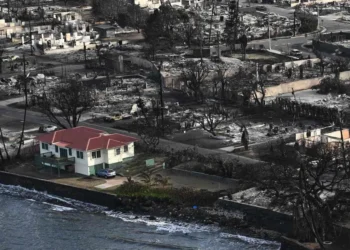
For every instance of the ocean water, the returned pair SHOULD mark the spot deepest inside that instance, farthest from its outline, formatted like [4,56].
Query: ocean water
[36,220]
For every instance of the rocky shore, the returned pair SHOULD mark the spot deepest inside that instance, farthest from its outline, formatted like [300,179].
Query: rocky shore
[213,215]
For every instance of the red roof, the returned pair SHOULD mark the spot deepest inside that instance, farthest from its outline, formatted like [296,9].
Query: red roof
[85,138]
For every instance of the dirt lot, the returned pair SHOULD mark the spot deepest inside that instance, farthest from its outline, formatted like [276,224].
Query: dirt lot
[261,57]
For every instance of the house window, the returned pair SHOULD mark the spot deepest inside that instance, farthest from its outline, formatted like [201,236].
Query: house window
[126,149]
[96,154]
[80,155]
[45,146]
[56,149]
[70,151]
[117,151]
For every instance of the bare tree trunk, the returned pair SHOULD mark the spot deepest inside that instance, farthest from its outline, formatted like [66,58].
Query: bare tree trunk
[25,108]
[3,143]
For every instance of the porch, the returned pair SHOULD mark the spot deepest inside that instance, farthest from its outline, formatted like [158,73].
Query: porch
[50,160]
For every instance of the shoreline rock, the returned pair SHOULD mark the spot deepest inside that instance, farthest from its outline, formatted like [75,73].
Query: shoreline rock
[226,220]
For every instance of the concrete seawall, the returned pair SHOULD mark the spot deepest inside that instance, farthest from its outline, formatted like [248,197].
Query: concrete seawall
[85,195]
[259,216]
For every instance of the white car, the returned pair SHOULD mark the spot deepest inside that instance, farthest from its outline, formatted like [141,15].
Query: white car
[296,53]
[47,128]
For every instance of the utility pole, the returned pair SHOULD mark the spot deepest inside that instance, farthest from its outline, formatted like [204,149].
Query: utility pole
[201,45]
[161,96]
[218,38]
[85,55]
[211,18]
[26,106]
[294,23]
[30,34]
[268,23]
[318,18]
[236,24]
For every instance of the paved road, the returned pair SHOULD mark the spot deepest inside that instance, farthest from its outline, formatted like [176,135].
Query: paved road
[286,45]
[36,117]
[330,25]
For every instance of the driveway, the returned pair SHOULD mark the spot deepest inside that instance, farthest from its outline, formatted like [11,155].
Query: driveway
[113,182]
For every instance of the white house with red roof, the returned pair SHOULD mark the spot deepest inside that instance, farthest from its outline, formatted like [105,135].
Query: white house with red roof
[90,149]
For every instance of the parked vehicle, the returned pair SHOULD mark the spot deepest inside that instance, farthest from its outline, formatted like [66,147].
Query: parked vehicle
[296,53]
[116,117]
[106,173]
[108,119]
[47,128]
[126,116]
[261,8]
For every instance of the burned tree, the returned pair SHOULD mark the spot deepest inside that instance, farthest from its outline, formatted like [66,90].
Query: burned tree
[313,188]
[149,125]
[212,116]
[257,88]
[194,75]
[222,79]
[65,103]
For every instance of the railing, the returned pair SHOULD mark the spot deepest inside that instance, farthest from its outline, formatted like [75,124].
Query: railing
[50,158]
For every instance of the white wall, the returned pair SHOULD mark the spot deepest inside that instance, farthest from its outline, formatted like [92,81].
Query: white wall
[113,158]
[131,151]
[81,165]
[148,3]
[303,135]
[92,161]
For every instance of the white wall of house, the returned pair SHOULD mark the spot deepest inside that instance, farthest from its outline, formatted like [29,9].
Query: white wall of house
[82,165]
[131,151]
[114,158]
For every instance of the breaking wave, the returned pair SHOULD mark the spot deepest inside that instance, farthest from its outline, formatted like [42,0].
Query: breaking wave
[162,224]
[57,203]
[249,240]
[59,208]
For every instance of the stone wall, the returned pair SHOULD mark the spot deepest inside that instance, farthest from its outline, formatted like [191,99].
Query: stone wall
[304,84]
[259,216]
[284,88]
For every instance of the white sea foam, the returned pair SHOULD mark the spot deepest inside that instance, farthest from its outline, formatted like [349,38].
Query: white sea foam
[58,208]
[162,224]
[249,240]
[34,195]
